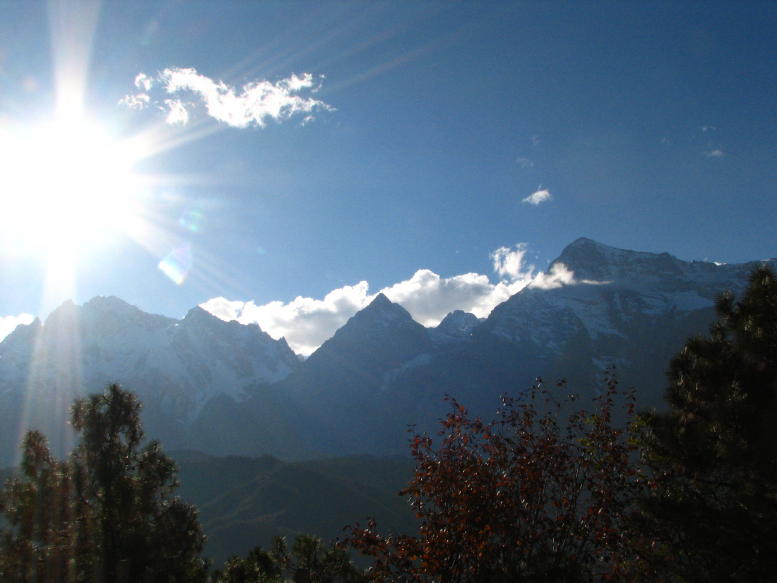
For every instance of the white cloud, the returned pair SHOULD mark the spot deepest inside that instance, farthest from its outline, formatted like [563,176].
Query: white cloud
[558,276]
[177,113]
[223,308]
[142,99]
[9,323]
[538,197]
[307,322]
[429,297]
[137,101]
[144,82]
[254,104]
[509,263]
[524,162]
[715,153]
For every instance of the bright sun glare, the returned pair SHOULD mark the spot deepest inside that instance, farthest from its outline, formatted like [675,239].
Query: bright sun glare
[67,184]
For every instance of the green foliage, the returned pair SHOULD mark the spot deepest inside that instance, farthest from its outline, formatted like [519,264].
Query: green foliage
[525,497]
[712,511]
[309,561]
[107,513]
[34,543]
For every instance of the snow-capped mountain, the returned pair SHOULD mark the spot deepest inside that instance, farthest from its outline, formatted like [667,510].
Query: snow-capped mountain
[612,306]
[228,388]
[175,366]
[628,308]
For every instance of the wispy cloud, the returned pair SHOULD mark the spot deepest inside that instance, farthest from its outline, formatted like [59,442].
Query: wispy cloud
[524,162]
[510,263]
[143,82]
[717,153]
[307,322]
[538,197]
[136,101]
[254,104]
[9,323]
[141,99]
[517,273]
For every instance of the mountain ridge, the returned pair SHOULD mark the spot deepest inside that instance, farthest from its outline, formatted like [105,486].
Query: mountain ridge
[228,388]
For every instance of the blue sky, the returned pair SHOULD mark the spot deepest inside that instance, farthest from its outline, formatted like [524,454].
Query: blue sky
[405,137]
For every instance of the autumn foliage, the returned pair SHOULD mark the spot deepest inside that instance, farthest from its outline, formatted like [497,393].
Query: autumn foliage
[537,494]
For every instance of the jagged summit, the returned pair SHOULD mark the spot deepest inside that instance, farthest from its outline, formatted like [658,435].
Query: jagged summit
[380,328]
[583,242]
[199,314]
[381,299]
[456,326]
[108,303]
[458,322]
[591,260]
[382,310]
[183,363]
[66,308]
[23,334]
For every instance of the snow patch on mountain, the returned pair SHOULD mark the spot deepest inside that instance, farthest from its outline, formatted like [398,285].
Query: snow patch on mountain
[182,363]
[604,289]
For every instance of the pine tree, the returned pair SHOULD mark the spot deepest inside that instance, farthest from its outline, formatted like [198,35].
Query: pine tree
[712,514]
[37,517]
[107,514]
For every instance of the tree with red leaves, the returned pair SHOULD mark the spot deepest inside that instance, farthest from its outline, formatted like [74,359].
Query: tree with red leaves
[524,497]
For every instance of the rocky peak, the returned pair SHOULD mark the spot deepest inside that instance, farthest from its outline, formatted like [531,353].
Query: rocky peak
[109,304]
[22,336]
[458,323]
[200,316]
[381,331]
[66,312]
[591,260]
[383,312]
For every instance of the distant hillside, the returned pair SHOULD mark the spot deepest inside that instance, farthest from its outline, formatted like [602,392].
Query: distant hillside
[244,501]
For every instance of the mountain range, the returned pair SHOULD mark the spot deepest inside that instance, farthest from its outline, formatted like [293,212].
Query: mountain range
[224,388]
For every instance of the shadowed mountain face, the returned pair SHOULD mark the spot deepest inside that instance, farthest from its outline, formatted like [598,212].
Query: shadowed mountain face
[225,388]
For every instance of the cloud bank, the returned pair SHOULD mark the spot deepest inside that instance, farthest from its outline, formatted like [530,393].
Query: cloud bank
[9,323]
[538,197]
[307,322]
[254,104]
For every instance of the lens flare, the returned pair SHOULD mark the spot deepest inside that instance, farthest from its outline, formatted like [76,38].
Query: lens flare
[191,220]
[177,264]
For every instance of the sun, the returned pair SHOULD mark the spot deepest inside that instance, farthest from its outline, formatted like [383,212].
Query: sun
[65,185]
